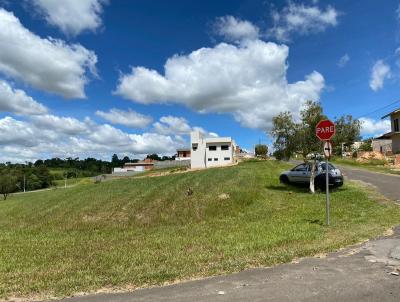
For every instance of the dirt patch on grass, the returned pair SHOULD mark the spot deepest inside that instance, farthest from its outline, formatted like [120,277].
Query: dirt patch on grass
[223,196]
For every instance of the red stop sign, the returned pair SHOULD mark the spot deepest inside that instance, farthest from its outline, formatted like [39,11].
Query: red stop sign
[325,130]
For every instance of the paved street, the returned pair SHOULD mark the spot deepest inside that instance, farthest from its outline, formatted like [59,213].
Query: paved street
[361,273]
[388,185]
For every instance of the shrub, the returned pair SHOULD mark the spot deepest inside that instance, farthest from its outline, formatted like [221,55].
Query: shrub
[8,184]
[377,162]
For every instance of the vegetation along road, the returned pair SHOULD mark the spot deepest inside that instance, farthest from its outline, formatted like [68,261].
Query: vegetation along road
[130,233]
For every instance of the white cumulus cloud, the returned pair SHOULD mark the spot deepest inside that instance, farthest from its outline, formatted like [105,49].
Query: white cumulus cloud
[18,102]
[398,12]
[371,127]
[301,19]
[380,71]
[246,80]
[128,118]
[172,125]
[178,126]
[53,136]
[343,60]
[72,16]
[44,63]
[64,125]
[21,133]
[235,30]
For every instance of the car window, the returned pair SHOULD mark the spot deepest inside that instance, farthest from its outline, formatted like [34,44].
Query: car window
[331,167]
[301,167]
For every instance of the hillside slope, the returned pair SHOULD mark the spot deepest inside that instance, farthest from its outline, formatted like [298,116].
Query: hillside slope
[139,232]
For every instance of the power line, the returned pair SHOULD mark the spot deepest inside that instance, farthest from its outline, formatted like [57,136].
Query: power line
[379,109]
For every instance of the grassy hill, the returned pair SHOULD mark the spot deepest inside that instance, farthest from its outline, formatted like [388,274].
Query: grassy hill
[138,232]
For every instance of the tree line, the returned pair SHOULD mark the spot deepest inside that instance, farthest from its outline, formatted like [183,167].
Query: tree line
[42,174]
[20,177]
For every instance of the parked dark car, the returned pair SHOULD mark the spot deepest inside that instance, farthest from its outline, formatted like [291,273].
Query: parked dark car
[301,175]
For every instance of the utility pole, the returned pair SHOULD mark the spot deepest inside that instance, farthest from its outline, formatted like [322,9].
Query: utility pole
[24,182]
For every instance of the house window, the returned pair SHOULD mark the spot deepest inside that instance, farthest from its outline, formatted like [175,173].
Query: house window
[225,147]
[194,147]
[396,125]
[215,159]
[210,159]
[212,148]
[227,158]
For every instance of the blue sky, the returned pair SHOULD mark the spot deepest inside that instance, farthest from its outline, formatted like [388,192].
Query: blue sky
[96,77]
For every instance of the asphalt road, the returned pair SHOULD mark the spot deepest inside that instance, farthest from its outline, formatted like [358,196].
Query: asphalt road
[387,184]
[366,272]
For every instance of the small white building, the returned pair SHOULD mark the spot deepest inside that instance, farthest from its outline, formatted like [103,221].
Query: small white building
[211,151]
[140,166]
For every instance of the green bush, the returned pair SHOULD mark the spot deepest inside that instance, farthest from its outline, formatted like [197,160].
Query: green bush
[377,162]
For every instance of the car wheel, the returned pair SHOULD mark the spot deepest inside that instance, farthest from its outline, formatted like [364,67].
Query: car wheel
[284,179]
[320,183]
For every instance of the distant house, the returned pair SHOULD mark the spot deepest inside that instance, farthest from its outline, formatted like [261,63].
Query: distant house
[395,127]
[382,144]
[183,154]
[211,151]
[140,166]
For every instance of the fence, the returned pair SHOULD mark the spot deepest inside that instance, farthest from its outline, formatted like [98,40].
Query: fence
[171,164]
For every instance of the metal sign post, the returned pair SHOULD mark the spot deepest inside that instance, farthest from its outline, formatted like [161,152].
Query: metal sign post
[327,194]
[325,130]
[327,152]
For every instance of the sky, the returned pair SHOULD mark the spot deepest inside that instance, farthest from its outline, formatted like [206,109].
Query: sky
[90,78]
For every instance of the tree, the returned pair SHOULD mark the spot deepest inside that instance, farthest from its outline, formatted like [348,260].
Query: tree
[39,162]
[366,145]
[115,160]
[43,173]
[347,132]
[153,156]
[284,132]
[291,137]
[261,150]
[126,159]
[33,182]
[308,142]
[8,184]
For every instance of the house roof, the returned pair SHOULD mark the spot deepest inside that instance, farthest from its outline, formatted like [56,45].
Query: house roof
[385,136]
[389,114]
[182,149]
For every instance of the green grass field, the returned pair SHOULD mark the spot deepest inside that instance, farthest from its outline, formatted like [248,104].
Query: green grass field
[72,181]
[141,232]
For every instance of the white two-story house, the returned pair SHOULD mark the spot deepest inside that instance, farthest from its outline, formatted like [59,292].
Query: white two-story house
[211,151]
[395,133]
